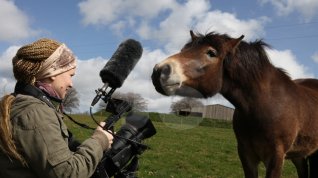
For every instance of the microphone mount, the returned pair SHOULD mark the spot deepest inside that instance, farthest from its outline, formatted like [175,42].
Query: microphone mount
[100,92]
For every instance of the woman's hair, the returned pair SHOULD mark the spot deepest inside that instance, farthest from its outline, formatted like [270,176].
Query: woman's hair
[26,64]
[29,59]
[7,144]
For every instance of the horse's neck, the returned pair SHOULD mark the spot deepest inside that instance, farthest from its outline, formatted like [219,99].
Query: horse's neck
[248,95]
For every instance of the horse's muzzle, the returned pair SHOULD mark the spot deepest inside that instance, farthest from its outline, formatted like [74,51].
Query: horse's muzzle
[159,74]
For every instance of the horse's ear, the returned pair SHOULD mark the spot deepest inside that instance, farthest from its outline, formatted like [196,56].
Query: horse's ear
[236,42]
[193,36]
[233,43]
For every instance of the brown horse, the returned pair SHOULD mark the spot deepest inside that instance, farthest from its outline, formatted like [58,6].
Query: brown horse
[275,117]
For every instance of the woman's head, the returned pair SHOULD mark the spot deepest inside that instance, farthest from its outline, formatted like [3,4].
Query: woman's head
[44,60]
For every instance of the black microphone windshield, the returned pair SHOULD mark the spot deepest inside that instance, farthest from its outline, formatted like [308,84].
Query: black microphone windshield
[121,63]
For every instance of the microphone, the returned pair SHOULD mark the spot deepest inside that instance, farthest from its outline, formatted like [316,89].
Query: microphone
[119,66]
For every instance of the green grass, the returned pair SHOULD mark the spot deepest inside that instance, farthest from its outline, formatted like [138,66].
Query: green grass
[179,150]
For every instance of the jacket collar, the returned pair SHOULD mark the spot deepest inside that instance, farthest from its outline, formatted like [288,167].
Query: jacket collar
[28,89]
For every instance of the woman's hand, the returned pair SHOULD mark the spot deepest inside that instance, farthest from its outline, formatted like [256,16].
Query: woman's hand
[107,133]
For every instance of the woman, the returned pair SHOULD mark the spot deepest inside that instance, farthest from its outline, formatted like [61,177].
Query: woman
[33,136]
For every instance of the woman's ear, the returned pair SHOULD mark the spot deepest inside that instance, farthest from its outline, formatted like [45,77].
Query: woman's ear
[48,80]
[52,78]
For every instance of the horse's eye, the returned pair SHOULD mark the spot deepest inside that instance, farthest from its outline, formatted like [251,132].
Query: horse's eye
[211,53]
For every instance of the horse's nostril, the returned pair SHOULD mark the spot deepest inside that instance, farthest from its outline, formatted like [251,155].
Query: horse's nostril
[166,70]
[157,77]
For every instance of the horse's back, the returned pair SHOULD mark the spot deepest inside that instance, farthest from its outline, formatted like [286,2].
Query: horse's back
[309,82]
[310,110]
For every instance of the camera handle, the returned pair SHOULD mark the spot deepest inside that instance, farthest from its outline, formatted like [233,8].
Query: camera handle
[112,119]
[117,110]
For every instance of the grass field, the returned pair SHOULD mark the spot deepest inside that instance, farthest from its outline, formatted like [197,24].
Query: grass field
[183,151]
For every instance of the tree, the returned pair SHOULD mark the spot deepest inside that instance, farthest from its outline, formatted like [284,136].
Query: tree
[137,102]
[185,104]
[71,100]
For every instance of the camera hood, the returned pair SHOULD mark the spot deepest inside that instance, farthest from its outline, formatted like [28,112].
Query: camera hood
[143,125]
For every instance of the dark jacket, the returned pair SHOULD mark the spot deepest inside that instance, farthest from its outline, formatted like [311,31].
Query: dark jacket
[41,136]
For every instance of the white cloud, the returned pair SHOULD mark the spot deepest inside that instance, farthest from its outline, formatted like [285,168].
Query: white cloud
[174,29]
[99,11]
[87,80]
[217,99]
[307,8]
[104,12]
[7,80]
[287,60]
[173,19]
[6,61]
[315,57]
[228,23]
[15,24]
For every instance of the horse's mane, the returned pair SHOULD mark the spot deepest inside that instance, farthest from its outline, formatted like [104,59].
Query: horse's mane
[250,59]
[255,61]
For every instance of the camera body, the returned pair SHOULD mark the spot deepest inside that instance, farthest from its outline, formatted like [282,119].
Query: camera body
[127,145]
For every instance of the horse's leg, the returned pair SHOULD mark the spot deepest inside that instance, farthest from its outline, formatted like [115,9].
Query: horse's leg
[301,166]
[274,164]
[249,162]
[313,165]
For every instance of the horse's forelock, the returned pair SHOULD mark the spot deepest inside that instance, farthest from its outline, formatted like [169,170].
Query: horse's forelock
[212,38]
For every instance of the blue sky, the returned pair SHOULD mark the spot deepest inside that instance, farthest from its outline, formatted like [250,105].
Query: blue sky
[93,29]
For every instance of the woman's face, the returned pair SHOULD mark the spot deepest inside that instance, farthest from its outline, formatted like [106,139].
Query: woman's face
[62,82]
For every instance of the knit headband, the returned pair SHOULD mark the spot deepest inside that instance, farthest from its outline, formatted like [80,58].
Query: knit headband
[61,60]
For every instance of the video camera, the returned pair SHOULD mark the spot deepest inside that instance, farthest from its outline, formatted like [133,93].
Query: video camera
[121,161]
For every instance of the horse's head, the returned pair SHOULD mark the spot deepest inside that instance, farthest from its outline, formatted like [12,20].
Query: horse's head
[197,70]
